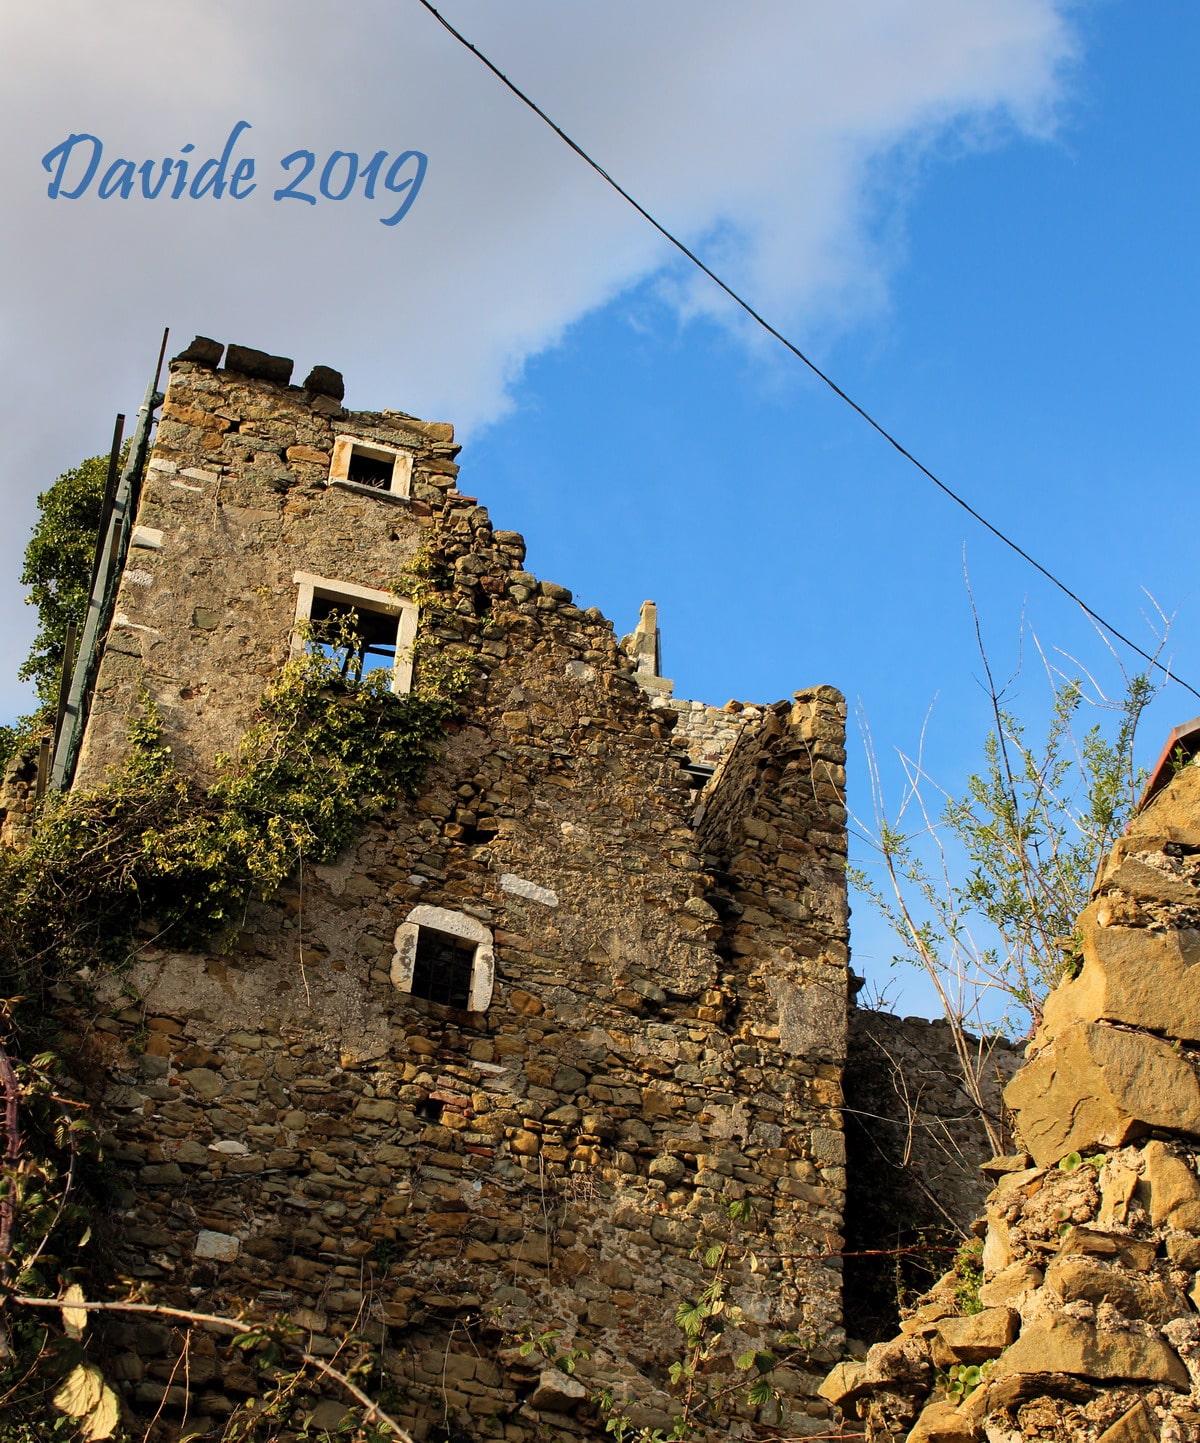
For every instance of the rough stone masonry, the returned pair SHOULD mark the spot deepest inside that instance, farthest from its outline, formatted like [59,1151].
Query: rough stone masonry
[1081,1318]
[502,1068]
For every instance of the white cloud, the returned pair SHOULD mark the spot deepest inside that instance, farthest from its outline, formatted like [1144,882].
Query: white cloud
[761,122]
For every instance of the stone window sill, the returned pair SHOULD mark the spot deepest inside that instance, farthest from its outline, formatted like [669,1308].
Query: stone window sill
[376,491]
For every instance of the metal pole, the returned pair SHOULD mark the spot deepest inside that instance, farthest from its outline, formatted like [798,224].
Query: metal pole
[64,680]
[110,491]
[110,560]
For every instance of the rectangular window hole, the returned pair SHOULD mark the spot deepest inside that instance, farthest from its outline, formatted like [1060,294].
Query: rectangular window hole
[369,468]
[443,968]
[358,640]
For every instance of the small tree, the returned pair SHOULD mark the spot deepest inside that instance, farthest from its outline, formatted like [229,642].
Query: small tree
[58,572]
[58,567]
[982,890]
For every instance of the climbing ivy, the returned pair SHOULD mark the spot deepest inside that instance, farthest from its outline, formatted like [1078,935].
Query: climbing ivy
[153,843]
[154,846]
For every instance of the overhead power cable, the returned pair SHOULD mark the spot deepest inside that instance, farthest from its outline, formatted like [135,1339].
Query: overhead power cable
[821,375]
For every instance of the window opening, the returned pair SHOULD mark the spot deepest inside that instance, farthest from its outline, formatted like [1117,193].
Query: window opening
[370,470]
[697,773]
[359,642]
[366,464]
[360,628]
[443,968]
[446,957]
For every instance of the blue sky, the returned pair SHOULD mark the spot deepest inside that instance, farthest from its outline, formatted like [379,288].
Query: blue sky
[981,218]
[1037,350]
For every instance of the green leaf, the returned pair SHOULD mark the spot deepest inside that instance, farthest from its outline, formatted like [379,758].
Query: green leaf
[760,1393]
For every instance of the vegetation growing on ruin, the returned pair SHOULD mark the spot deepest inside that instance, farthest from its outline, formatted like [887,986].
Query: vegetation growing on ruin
[981,890]
[155,852]
[154,844]
[706,1397]
[154,847]
[58,572]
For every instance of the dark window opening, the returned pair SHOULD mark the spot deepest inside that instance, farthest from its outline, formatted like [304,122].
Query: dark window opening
[697,773]
[370,470]
[443,968]
[357,641]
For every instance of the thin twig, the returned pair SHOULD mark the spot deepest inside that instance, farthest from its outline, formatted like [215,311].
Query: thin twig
[213,1320]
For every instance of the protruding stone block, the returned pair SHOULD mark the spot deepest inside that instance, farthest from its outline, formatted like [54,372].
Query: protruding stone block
[202,351]
[259,364]
[325,381]
[1010,1284]
[1172,815]
[1170,1189]
[1060,1344]
[1131,975]
[975,1337]
[1098,1086]
[556,1392]
[944,1422]
[902,1364]
[1082,1279]
[219,1247]
[1139,1425]
[844,1383]
[1137,1254]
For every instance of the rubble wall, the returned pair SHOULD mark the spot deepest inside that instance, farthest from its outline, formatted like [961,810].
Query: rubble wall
[293,1132]
[236,499]
[1079,1314]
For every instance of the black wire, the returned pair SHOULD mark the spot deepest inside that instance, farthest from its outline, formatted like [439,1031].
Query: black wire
[800,356]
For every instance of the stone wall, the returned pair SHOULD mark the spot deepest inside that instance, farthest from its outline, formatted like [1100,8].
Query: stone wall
[18,797]
[666,1032]
[915,1144]
[706,732]
[236,500]
[1083,1312]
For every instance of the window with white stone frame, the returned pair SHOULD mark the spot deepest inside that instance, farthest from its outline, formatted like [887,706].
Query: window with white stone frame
[445,957]
[368,466]
[360,627]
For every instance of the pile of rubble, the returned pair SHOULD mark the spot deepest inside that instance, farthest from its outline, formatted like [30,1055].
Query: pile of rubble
[1075,1317]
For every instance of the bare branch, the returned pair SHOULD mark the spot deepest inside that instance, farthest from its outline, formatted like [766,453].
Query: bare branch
[214,1320]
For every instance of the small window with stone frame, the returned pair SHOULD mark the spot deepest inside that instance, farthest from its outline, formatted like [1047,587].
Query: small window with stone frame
[444,957]
[359,628]
[368,465]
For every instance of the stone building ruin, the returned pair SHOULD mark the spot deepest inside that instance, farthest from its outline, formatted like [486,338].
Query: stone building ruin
[500,1070]
[503,1066]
